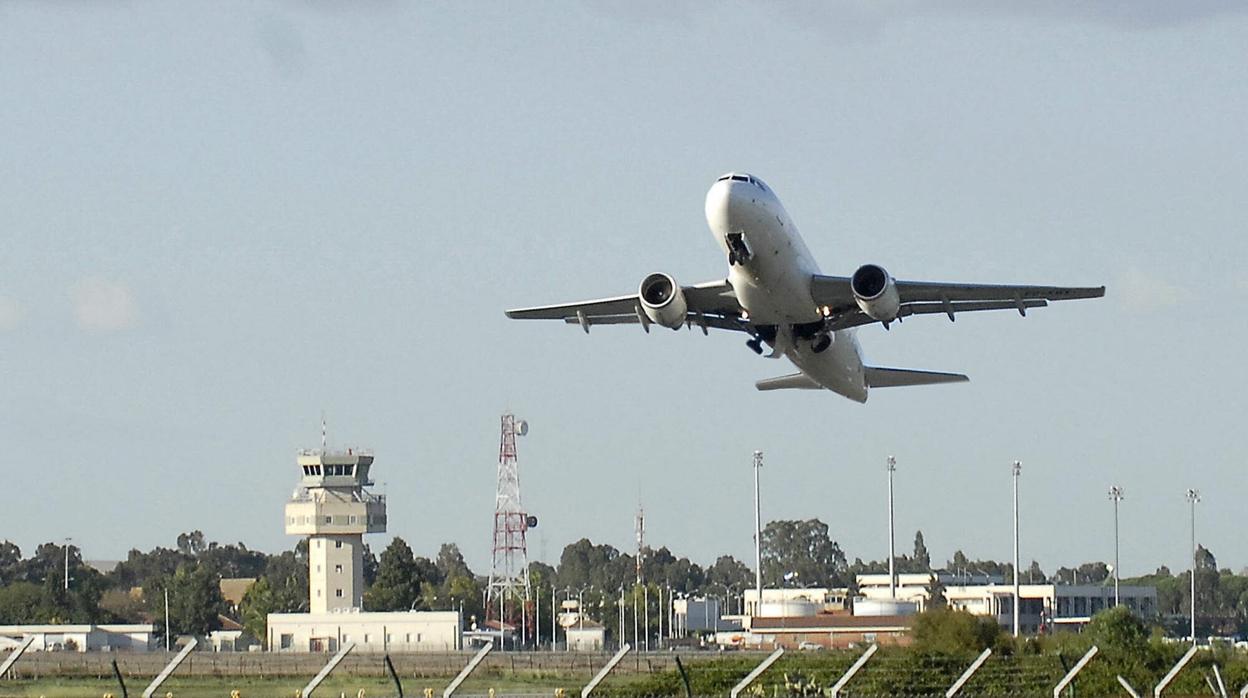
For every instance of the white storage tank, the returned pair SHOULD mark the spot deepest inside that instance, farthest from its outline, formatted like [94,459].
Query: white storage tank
[788,608]
[883,607]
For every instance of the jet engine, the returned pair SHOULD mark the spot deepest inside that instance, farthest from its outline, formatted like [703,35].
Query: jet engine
[662,300]
[875,293]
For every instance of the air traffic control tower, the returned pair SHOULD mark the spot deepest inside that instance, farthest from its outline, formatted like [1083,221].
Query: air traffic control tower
[334,510]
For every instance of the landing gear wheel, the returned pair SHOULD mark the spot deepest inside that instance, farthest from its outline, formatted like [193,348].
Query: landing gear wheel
[732,259]
[821,344]
[755,344]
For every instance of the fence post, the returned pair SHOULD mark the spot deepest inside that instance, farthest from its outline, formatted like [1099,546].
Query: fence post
[1174,671]
[849,673]
[602,673]
[15,655]
[1074,671]
[1127,686]
[468,669]
[394,676]
[970,671]
[758,670]
[169,668]
[329,666]
[684,677]
[121,681]
[1221,684]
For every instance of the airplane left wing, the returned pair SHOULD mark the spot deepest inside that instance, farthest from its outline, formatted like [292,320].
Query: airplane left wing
[710,304]
[929,298]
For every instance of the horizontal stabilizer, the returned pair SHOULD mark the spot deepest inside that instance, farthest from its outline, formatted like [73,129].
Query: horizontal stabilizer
[877,377]
[796,381]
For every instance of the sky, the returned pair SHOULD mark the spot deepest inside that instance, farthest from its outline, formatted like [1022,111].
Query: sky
[220,221]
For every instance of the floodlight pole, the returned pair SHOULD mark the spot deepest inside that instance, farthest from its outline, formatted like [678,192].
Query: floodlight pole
[1193,497]
[1017,469]
[1116,495]
[892,553]
[758,535]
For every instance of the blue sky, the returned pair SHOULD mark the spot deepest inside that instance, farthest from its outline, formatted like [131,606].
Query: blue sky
[218,222]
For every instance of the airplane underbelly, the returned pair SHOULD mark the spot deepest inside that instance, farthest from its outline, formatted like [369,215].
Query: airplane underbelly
[774,286]
[838,368]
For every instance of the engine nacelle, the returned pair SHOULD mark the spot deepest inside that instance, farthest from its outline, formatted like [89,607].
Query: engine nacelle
[875,292]
[662,300]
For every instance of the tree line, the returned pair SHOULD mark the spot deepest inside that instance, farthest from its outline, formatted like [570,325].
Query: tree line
[794,554]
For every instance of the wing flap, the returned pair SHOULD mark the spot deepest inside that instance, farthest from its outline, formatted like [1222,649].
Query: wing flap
[880,377]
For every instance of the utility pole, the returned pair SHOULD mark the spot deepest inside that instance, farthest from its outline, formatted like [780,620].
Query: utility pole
[166,619]
[892,553]
[1116,495]
[1193,498]
[1017,469]
[758,535]
[67,542]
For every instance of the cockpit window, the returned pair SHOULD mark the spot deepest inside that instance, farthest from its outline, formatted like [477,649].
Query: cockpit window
[744,178]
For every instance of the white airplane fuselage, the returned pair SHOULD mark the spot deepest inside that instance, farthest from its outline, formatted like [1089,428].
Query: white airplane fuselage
[772,280]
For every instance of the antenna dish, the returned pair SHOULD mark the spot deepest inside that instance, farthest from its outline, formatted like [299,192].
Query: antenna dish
[522,427]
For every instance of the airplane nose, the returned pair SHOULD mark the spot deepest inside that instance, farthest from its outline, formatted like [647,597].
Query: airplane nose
[726,205]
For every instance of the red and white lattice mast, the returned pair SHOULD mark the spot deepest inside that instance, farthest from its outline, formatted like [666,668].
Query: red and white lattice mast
[508,593]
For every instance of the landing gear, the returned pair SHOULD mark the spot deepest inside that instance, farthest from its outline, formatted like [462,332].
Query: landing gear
[738,250]
[821,344]
[755,344]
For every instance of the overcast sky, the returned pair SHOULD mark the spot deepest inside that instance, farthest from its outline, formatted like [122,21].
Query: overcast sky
[218,221]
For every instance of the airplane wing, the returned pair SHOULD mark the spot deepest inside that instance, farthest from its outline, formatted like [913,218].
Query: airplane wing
[711,305]
[929,297]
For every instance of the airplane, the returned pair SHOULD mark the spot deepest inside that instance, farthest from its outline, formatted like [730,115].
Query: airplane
[776,294]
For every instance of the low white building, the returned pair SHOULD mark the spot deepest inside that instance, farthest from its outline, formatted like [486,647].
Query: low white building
[1047,606]
[587,636]
[781,601]
[80,638]
[400,631]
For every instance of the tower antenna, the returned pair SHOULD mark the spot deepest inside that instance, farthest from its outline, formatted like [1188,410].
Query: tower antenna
[509,571]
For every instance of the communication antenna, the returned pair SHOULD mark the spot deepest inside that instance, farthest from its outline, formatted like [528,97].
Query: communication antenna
[641,538]
[509,571]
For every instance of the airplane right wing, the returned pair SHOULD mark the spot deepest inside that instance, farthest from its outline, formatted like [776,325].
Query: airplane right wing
[939,298]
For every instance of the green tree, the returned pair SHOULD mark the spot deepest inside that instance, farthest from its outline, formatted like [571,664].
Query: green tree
[21,602]
[922,559]
[943,630]
[800,553]
[259,601]
[192,544]
[730,571]
[1118,630]
[195,599]
[399,580]
[10,562]
[450,562]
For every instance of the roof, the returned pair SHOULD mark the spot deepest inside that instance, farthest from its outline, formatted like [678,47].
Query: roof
[77,628]
[828,621]
[586,624]
[234,589]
